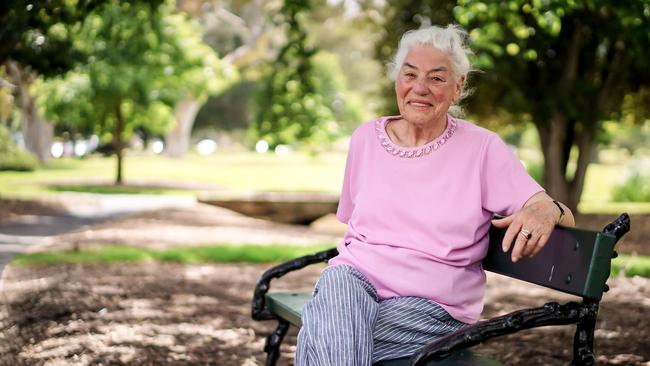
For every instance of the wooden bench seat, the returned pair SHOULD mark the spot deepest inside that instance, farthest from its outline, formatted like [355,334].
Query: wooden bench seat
[574,261]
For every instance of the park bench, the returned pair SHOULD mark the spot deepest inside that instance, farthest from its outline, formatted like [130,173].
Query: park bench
[574,261]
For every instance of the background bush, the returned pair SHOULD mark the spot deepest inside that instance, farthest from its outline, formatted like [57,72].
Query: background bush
[636,188]
[13,157]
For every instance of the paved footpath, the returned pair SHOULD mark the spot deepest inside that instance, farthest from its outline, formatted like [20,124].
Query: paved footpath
[154,222]
[18,234]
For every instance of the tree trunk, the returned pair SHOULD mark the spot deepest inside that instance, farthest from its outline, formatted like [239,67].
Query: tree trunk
[552,136]
[118,144]
[585,144]
[37,133]
[178,139]
[556,142]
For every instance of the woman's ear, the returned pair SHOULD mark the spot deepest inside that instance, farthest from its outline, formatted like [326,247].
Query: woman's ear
[459,88]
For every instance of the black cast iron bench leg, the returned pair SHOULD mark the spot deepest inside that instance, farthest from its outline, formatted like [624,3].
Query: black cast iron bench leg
[273,341]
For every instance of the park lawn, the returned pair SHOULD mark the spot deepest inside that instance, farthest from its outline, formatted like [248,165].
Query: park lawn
[628,265]
[237,171]
[597,193]
[233,253]
[246,171]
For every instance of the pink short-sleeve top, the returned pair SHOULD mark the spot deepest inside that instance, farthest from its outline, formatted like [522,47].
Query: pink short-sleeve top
[418,218]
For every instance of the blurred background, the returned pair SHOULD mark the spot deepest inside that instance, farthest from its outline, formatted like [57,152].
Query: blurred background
[147,110]
[155,91]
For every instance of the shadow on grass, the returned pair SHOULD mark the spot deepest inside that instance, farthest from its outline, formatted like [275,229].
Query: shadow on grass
[113,189]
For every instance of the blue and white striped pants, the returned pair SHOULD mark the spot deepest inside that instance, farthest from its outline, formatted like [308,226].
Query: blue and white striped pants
[346,324]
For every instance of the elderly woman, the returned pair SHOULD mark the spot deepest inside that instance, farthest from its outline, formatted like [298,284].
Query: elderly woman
[419,193]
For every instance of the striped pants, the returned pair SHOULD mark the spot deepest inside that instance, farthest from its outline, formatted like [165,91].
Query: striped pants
[346,324]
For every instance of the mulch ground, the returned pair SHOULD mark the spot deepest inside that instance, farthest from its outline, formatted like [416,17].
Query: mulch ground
[175,314]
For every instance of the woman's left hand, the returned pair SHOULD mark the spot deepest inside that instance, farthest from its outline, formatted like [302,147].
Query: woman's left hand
[531,226]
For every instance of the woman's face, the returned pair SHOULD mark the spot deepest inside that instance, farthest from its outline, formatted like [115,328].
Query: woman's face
[425,87]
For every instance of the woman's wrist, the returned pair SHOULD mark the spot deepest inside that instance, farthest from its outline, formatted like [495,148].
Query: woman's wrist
[562,212]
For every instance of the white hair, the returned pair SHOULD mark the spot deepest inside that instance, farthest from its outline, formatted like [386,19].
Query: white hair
[451,40]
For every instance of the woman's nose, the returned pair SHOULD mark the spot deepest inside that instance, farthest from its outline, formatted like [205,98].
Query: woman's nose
[420,87]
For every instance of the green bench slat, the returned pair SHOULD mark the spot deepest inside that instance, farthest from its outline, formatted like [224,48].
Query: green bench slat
[288,306]
[573,261]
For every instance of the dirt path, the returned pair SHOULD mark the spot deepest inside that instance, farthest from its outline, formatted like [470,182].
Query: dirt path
[173,314]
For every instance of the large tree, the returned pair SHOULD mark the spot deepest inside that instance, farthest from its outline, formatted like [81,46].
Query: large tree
[36,40]
[198,73]
[137,63]
[567,66]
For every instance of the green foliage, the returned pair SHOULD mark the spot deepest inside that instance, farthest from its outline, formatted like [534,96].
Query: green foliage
[240,253]
[635,187]
[348,38]
[625,134]
[548,57]
[631,265]
[11,156]
[290,110]
[194,69]
[142,60]
[346,105]
[6,98]
[567,65]
[35,34]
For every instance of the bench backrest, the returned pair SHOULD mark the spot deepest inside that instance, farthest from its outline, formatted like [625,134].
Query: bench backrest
[574,261]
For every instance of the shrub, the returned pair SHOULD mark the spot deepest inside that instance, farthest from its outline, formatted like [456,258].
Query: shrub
[13,157]
[636,188]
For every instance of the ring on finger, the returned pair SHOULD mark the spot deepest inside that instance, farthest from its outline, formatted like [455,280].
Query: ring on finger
[526,233]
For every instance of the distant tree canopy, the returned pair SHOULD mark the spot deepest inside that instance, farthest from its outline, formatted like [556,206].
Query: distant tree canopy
[141,62]
[35,34]
[289,109]
[37,39]
[567,66]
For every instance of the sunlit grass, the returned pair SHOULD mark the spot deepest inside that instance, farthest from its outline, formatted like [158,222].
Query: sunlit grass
[628,265]
[597,195]
[113,189]
[245,171]
[239,171]
[243,253]
[599,182]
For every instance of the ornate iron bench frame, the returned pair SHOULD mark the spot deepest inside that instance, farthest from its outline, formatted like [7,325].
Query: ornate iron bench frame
[574,261]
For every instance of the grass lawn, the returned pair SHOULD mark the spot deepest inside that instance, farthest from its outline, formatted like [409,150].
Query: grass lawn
[236,171]
[246,171]
[245,253]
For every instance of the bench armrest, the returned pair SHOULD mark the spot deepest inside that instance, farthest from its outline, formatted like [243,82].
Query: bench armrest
[259,311]
[549,314]
[618,227]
